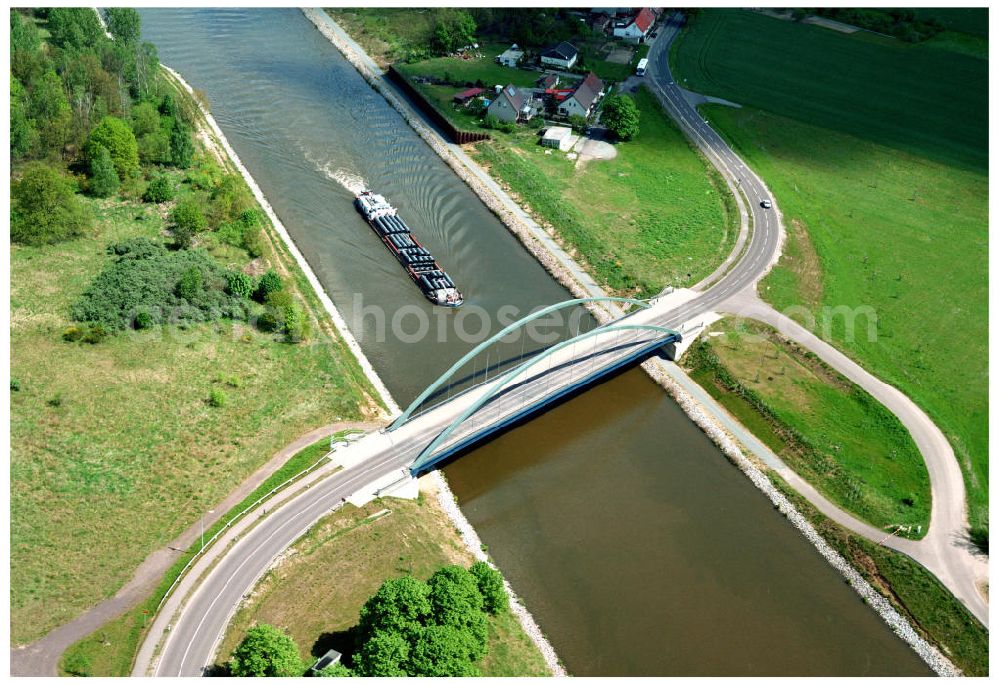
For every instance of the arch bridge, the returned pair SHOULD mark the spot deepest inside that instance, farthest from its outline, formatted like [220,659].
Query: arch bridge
[525,386]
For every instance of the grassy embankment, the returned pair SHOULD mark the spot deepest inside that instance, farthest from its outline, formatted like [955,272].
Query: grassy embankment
[828,430]
[881,175]
[115,448]
[110,651]
[655,215]
[914,591]
[317,591]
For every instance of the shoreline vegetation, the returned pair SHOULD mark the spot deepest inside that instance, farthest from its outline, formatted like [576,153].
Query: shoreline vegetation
[315,592]
[904,626]
[110,650]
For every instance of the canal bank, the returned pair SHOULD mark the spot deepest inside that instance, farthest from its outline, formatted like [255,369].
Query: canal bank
[220,52]
[675,382]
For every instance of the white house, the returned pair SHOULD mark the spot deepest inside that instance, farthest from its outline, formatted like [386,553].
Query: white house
[512,105]
[581,102]
[637,28]
[562,55]
[511,56]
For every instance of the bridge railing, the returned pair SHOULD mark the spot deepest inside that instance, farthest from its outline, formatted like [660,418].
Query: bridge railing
[426,456]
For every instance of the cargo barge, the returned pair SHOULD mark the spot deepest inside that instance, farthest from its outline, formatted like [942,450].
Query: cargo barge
[423,270]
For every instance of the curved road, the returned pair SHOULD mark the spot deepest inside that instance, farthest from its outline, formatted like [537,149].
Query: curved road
[191,641]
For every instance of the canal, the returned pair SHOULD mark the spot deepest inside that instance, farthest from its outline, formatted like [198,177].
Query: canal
[637,546]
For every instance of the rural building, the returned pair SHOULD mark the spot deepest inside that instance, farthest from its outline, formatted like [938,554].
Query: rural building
[512,105]
[587,94]
[611,11]
[511,56]
[329,658]
[559,137]
[548,81]
[637,28]
[466,96]
[562,55]
[600,23]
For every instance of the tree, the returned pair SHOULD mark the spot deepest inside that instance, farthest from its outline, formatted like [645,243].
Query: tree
[456,601]
[23,34]
[23,135]
[187,220]
[621,116]
[442,651]
[115,135]
[400,605]
[455,28]
[490,582]
[124,24]
[240,284]
[181,147]
[104,179]
[266,652]
[335,670]
[385,654]
[75,27]
[44,207]
[51,111]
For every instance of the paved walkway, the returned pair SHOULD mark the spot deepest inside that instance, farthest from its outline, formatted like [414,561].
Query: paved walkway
[41,658]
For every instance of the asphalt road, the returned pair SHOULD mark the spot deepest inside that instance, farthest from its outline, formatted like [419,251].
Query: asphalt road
[191,642]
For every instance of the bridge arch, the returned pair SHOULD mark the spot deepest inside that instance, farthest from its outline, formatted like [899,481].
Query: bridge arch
[447,375]
[426,455]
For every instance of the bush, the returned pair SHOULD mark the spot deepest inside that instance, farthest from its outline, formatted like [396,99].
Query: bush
[159,190]
[15,385]
[104,180]
[187,220]
[240,284]
[578,123]
[145,278]
[73,334]
[230,200]
[116,136]
[44,208]
[296,324]
[95,334]
[143,320]
[268,284]
[189,287]
[217,398]
[253,242]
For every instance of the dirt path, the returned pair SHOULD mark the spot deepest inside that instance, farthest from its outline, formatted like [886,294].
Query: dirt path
[41,658]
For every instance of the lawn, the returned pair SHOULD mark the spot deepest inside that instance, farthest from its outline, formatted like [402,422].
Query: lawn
[828,430]
[317,591]
[655,215]
[387,34]
[899,226]
[111,650]
[914,592]
[929,102]
[115,448]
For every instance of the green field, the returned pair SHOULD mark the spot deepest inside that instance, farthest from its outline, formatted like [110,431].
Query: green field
[932,103]
[110,651]
[828,430]
[655,215]
[317,592]
[871,224]
[115,448]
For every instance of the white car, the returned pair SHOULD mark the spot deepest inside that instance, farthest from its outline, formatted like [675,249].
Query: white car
[766,204]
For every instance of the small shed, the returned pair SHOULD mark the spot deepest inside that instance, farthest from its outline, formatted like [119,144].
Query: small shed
[329,658]
[465,96]
[559,137]
[511,56]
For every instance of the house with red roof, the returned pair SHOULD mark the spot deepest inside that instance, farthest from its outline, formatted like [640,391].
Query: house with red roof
[638,27]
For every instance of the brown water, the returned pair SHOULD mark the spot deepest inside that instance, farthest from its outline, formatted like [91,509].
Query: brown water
[636,545]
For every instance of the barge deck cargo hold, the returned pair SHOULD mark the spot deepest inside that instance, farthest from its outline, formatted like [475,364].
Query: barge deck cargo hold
[422,268]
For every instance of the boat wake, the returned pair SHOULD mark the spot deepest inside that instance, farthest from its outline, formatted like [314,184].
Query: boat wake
[350,181]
